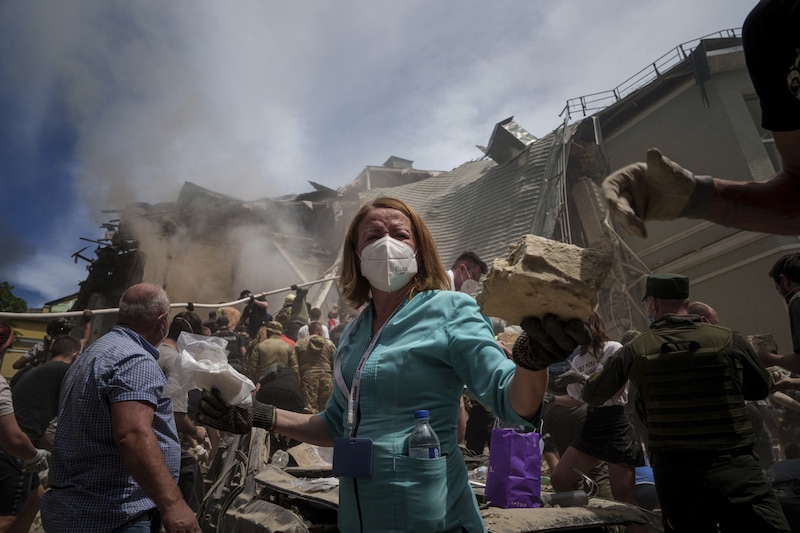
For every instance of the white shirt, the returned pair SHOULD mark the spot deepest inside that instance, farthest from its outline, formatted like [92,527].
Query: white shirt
[302,333]
[588,364]
[452,279]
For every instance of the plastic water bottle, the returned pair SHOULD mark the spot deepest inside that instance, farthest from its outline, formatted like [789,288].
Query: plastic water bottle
[479,473]
[280,458]
[570,498]
[423,442]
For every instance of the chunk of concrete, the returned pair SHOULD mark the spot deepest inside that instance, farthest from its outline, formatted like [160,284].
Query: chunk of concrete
[542,276]
[765,340]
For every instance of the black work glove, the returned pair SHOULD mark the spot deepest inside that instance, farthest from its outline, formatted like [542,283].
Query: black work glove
[217,414]
[252,299]
[568,377]
[547,341]
[293,287]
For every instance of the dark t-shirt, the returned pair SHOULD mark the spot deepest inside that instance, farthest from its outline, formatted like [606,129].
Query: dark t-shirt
[253,317]
[36,398]
[771,38]
[235,343]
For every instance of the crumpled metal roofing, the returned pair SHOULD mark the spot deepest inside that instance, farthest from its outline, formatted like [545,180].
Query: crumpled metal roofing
[484,207]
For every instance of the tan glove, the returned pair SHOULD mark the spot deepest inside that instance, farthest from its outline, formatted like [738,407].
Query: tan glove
[657,190]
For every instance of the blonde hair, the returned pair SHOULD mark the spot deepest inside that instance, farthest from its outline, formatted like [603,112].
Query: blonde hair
[430,272]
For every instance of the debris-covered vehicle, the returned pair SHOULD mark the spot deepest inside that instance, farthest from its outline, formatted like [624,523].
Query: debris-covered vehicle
[248,494]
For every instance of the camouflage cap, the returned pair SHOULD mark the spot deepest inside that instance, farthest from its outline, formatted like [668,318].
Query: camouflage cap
[667,287]
[274,327]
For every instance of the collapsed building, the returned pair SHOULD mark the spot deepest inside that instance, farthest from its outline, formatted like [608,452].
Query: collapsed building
[696,103]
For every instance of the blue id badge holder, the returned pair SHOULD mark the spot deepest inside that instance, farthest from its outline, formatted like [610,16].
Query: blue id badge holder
[352,457]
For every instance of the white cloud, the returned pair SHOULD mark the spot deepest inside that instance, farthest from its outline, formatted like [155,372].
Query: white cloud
[50,273]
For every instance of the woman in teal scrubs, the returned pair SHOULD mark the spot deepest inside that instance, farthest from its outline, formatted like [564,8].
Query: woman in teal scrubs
[414,346]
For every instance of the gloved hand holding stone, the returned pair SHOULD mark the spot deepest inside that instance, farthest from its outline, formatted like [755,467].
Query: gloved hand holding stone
[217,414]
[37,463]
[547,341]
[657,190]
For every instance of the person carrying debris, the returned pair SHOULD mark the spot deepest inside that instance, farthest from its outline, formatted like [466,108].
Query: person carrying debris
[660,189]
[116,455]
[607,433]
[692,380]
[415,345]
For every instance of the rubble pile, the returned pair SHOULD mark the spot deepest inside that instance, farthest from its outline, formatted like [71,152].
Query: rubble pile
[542,276]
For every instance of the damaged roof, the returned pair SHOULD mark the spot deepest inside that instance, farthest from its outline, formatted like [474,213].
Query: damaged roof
[484,206]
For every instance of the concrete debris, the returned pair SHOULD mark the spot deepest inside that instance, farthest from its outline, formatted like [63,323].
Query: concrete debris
[542,276]
[764,340]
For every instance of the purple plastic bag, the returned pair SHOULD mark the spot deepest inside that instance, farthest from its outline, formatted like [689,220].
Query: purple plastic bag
[515,469]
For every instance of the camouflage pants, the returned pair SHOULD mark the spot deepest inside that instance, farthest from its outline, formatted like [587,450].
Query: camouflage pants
[317,388]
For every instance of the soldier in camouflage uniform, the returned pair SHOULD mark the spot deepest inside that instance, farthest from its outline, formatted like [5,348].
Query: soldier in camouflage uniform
[692,380]
[271,352]
[315,358]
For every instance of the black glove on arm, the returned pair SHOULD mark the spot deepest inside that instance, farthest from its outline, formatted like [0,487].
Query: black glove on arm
[547,341]
[569,377]
[216,414]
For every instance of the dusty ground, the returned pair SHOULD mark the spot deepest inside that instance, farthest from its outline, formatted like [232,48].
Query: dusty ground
[37,525]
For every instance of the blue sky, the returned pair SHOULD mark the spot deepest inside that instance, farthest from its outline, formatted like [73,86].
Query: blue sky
[104,103]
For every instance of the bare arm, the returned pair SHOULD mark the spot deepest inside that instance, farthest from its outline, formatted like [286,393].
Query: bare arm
[771,206]
[785,400]
[132,423]
[526,391]
[790,362]
[303,427]
[22,362]
[187,426]
[784,382]
[87,332]
[14,440]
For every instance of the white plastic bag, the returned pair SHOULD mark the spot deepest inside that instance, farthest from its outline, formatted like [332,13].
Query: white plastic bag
[204,365]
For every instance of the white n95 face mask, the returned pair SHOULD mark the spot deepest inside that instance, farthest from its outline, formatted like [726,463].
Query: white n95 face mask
[388,264]
[470,286]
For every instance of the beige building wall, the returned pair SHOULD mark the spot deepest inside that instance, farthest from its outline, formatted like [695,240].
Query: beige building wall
[728,268]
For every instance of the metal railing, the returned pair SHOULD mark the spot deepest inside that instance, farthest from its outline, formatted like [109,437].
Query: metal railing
[591,103]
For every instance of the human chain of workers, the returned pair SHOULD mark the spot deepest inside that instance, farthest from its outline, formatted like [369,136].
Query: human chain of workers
[416,344]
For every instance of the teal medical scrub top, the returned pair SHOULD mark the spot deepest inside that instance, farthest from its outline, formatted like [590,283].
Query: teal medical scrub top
[433,345]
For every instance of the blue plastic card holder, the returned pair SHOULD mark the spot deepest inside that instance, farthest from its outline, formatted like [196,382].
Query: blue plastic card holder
[352,457]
